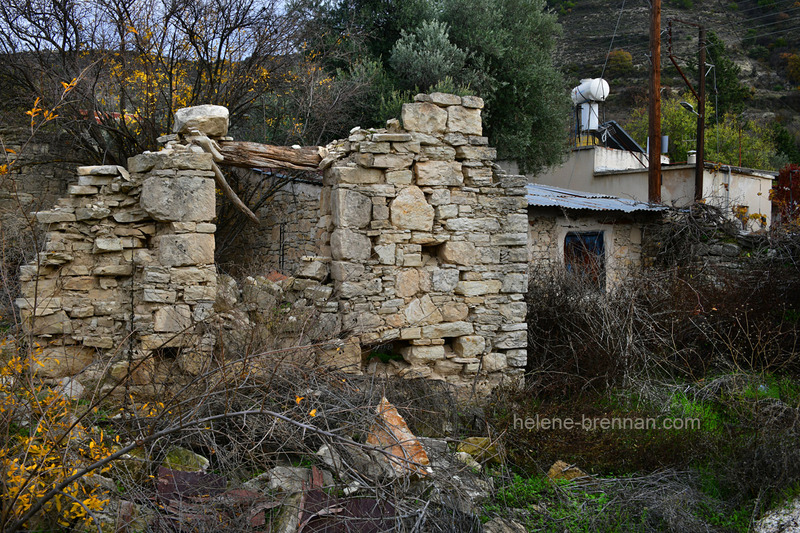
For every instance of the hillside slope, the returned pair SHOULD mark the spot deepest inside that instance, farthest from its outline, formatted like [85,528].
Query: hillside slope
[761,36]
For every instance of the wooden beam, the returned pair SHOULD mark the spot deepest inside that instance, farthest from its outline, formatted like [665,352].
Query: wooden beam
[255,155]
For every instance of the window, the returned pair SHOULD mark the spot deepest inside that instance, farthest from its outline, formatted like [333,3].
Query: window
[585,256]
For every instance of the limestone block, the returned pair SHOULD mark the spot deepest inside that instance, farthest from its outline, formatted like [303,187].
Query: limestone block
[392,161]
[107,244]
[343,271]
[472,102]
[447,329]
[54,217]
[156,274]
[143,162]
[445,99]
[439,153]
[99,341]
[510,239]
[411,333]
[391,137]
[445,279]
[399,177]
[439,196]
[446,173]
[184,161]
[211,120]
[511,339]
[349,245]
[173,318]
[374,147]
[192,275]
[422,354]
[455,311]
[131,215]
[516,223]
[410,210]
[488,225]
[422,311]
[183,198]
[469,345]
[350,289]
[476,153]
[514,312]
[478,288]
[200,293]
[159,296]
[464,120]
[62,361]
[78,283]
[446,211]
[186,249]
[447,367]
[350,209]
[92,213]
[95,181]
[407,283]
[355,175]
[317,270]
[113,270]
[82,190]
[424,117]
[57,323]
[517,358]
[494,362]
[458,252]
[515,283]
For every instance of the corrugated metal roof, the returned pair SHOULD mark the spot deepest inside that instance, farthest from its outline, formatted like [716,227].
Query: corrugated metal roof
[548,196]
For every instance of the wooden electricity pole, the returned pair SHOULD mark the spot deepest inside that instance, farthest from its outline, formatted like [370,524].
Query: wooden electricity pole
[699,169]
[654,133]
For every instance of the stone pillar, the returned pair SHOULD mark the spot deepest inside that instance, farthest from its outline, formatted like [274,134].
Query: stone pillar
[427,244]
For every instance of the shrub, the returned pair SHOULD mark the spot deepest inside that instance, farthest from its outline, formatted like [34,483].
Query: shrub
[620,63]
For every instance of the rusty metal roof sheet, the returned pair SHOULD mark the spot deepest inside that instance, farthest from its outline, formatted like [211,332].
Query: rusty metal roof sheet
[547,196]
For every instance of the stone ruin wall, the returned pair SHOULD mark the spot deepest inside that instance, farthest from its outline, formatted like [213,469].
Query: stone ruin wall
[422,252]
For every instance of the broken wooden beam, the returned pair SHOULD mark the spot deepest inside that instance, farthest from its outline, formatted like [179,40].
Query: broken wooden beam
[255,155]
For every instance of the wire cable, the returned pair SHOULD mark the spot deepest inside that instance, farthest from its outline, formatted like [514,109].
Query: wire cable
[611,44]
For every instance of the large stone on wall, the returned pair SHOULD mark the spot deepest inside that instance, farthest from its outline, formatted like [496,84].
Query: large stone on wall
[172,318]
[349,245]
[410,210]
[458,252]
[464,120]
[209,119]
[186,249]
[182,198]
[421,311]
[447,329]
[424,117]
[350,209]
[63,361]
[439,173]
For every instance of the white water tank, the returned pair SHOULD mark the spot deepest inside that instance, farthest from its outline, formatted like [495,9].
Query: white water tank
[590,90]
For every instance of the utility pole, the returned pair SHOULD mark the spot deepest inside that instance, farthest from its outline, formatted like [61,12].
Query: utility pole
[654,131]
[701,120]
[699,168]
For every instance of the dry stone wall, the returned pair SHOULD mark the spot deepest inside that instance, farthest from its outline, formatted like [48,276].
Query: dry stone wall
[127,268]
[425,244]
[420,264]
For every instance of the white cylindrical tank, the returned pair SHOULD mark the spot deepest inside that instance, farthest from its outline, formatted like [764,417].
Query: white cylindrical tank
[691,157]
[590,90]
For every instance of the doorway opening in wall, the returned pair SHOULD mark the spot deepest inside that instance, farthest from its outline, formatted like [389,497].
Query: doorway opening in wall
[585,256]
